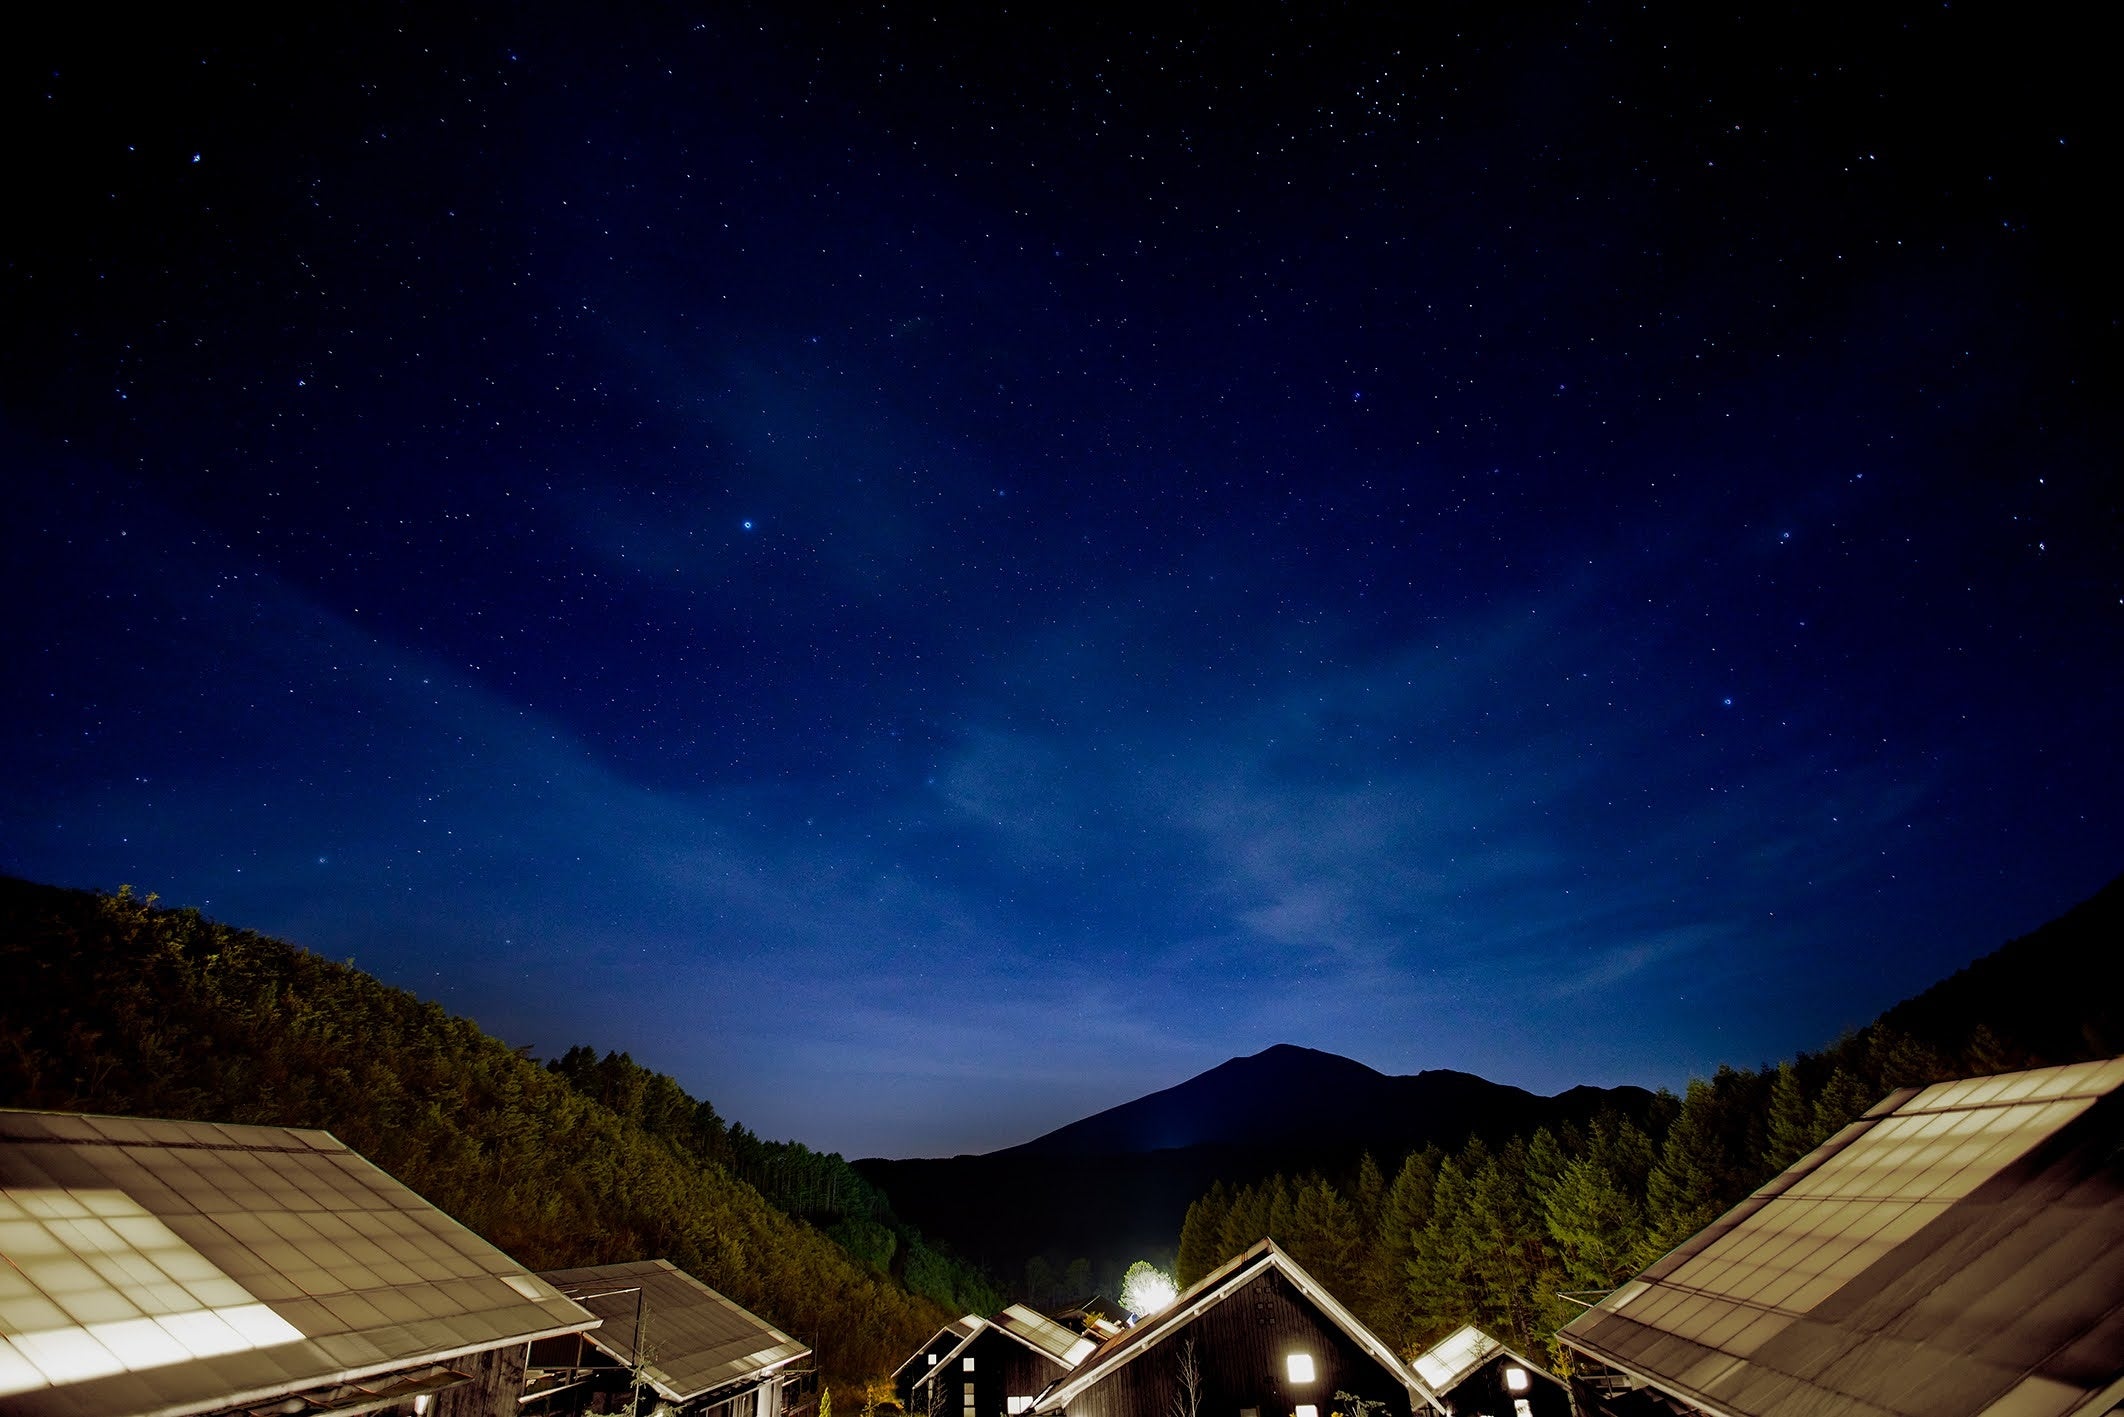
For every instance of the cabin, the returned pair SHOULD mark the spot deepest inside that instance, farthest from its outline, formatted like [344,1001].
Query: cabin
[1258,1337]
[174,1268]
[1475,1375]
[998,1369]
[702,1354]
[1958,1251]
[924,1358]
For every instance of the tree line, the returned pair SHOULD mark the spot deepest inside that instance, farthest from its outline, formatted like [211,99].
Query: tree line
[1518,1238]
[817,1186]
[115,1006]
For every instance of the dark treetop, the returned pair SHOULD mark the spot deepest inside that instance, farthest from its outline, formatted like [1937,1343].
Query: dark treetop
[1014,556]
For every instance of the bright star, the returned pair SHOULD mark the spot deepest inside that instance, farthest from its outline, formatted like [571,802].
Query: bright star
[748,524]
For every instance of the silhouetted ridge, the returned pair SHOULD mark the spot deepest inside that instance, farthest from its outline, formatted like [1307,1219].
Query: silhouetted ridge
[2054,995]
[1287,1096]
[1113,1186]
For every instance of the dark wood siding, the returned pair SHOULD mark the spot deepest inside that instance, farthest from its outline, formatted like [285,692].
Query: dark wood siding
[1483,1392]
[497,1381]
[1242,1345]
[941,1343]
[1003,1368]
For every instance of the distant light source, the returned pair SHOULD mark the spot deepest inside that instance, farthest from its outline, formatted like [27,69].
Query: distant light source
[1146,1289]
[1306,1409]
[1300,1367]
[1515,1379]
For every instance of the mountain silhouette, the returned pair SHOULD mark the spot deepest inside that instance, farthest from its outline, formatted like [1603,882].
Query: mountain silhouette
[1292,1097]
[1114,1186]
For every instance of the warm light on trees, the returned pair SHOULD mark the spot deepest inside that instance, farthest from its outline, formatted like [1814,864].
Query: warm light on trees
[1146,1289]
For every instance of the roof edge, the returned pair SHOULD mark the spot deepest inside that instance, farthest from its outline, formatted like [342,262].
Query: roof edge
[222,1401]
[1235,1274]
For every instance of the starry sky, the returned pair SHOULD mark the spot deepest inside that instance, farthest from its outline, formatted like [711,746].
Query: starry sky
[931,572]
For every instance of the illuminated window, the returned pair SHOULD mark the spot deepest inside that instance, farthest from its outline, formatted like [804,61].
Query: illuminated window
[1300,1367]
[1306,1409]
[1522,1408]
[1015,1405]
[932,1360]
[967,1397]
[1515,1379]
[966,1364]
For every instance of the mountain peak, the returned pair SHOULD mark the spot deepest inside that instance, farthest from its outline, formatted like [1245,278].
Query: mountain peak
[1286,1095]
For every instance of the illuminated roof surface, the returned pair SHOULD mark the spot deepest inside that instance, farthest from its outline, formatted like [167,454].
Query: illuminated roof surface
[696,1339]
[1066,1346]
[1958,1250]
[1453,1357]
[176,1267]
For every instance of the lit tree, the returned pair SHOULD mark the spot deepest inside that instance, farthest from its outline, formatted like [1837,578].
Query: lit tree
[1146,1289]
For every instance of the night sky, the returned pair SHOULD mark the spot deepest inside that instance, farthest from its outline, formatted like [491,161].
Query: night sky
[930,573]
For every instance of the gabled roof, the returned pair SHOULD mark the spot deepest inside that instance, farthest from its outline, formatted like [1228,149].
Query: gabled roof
[179,1267]
[1956,1251]
[1213,1289]
[696,1340]
[1043,1335]
[950,1335]
[1447,1363]
[1034,1330]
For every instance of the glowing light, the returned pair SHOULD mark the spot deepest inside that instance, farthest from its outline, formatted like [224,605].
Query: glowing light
[1300,1367]
[1515,1379]
[1146,1289]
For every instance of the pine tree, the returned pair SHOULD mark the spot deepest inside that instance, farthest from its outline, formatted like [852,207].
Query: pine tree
[1687,1189]
[1791,1124]
[1442,1285]
[1513,1271]
[1282,1207]
[1593,1213]
[1325,1238]
[1200,1236]
[1895,1059]
[1843,1099]
[1368,1193]
[1245,1223]
[1402,1218]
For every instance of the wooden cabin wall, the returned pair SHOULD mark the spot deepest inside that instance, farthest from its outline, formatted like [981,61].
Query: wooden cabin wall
[1003,1368]
[1241,1345]
[1483,1392]
[497,1381]
[940,1343]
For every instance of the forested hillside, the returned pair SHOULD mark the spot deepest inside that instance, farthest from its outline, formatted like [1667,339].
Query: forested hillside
[112,1005]
[817,1186]
[1500,1235]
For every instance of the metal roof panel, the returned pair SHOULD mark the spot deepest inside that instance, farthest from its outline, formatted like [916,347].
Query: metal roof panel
[201,1249]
